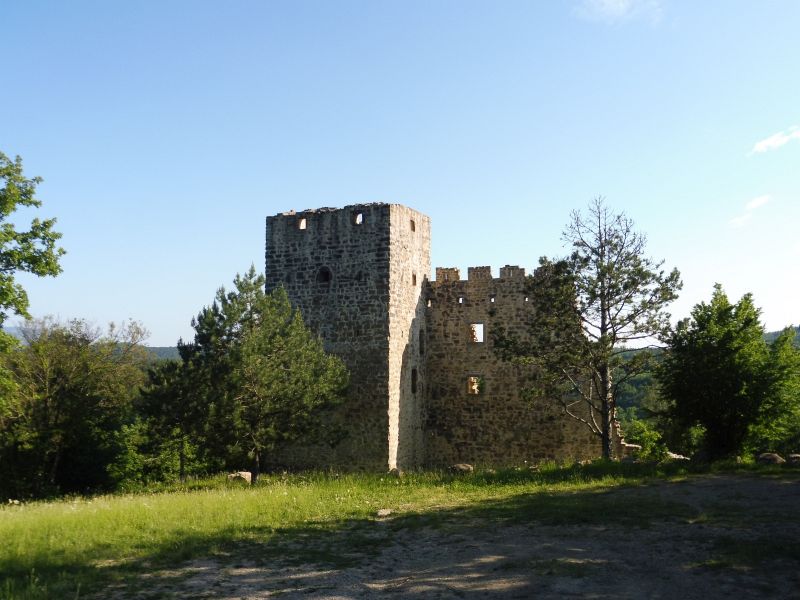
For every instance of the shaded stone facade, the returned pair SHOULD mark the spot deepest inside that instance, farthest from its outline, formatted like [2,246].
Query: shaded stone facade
[426,388]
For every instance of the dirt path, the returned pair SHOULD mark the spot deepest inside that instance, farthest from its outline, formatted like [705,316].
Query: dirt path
[717,537]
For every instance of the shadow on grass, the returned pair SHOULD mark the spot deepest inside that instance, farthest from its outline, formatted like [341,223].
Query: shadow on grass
[324,547]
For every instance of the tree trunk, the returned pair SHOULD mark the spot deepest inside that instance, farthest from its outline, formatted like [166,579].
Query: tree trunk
[51,479]
[606,406]
[182,460]
[256,467]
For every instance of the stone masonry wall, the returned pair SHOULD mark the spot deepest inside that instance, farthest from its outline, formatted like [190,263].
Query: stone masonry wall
[494,425]
[409,270]
[335,266]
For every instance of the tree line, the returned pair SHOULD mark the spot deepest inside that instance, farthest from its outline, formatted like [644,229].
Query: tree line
[89,411]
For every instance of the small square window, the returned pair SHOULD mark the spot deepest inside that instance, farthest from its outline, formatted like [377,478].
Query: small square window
[492,298]
[461,299]
[302,223]
[475,385]
[476,333]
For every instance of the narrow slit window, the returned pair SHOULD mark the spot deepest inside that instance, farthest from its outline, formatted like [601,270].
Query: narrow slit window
[413,279]
[476,333]
[413,381]
[475,385]
[302,223]
[413,225]
[430,302]
[422,343]
[358,218]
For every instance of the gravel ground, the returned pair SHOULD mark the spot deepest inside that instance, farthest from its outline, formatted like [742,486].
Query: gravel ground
[735,536]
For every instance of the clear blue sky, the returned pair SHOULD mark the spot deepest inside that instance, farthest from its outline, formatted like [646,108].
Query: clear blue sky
[167,131]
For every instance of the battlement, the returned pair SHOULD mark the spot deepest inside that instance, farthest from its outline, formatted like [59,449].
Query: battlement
[451,275]
[445,274]
[512,272]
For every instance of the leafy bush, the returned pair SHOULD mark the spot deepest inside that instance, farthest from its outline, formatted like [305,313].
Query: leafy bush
[642,432]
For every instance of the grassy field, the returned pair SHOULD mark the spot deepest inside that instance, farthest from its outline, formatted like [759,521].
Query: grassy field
[74,547]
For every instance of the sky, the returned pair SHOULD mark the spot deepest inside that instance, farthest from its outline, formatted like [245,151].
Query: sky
[167,131]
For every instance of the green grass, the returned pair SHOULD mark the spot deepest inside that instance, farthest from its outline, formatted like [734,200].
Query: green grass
[73,547]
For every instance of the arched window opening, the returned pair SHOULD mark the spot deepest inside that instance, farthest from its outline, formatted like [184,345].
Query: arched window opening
[324,275]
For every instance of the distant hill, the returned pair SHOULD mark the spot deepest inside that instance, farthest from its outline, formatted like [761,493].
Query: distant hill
[772,335]
[158,352]
[164,352]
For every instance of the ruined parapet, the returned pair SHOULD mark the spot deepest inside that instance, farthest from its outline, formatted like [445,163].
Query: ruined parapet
[512,272]
[479,273]
[445,274]
[426,387]
[475,412]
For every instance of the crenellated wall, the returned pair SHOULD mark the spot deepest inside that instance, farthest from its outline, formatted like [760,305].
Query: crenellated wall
[474,411]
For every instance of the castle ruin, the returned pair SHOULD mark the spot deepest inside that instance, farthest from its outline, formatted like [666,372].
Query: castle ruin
[426,388]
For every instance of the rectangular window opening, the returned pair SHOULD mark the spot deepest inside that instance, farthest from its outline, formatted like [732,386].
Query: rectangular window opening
[430,302]
[476,333]
[358,219]
[413,279]
[475,385]
[461,299]
[413,225]
[302,223]
[413,381]
[492,298]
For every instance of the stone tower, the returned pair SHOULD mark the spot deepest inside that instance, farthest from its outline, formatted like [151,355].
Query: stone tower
[357,274]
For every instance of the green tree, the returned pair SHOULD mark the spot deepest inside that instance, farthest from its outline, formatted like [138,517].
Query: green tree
[74,390]
[283,380]
[173,419]
[589,308]
[717,372]
[32,250]
[255,378]
[777,427]
[208,364]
